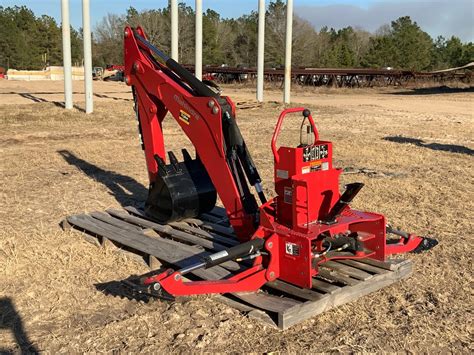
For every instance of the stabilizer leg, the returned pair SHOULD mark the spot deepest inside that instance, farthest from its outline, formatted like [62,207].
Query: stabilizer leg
[408,242]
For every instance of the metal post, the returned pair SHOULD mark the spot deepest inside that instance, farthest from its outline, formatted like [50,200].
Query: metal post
[288,43]
[260,49]
[198,50]
[174,29]
[86,29]
[66,54]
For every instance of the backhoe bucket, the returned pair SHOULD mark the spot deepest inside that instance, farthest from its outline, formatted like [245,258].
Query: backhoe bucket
[181,190]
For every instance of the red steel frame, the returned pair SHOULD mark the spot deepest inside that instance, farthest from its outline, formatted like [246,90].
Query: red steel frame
[294,222]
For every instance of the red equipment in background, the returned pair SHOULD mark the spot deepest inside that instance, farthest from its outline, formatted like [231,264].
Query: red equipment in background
[115,67]
[287,237]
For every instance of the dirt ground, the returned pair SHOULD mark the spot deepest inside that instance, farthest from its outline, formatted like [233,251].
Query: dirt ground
[412,148]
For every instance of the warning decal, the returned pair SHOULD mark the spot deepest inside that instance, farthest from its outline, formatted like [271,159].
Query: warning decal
[292,249]
[184,116]
[315,152]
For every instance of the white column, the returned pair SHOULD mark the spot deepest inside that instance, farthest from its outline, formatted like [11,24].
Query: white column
[260,49]
[66,54]
[174,29]
[86,29]
[198,50]
[288,43]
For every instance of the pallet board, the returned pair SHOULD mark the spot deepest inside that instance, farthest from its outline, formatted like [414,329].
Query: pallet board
[180,244]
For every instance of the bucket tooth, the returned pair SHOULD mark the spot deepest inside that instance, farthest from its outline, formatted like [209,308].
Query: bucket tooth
[186,155]
[198,160]
[162,170]
[174,161]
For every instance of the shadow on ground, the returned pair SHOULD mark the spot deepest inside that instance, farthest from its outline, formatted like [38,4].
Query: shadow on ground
[434,91]
[102,96]
[126,190]
[33,97]
[11,320]
[453,148]
[40,99]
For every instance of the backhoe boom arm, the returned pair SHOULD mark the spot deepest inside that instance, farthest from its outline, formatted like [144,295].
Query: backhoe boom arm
[160,85]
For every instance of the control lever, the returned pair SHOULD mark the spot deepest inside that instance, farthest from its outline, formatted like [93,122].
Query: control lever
[351,191]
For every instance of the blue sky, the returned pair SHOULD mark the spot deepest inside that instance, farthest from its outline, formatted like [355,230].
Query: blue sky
[437,17]
[99,8]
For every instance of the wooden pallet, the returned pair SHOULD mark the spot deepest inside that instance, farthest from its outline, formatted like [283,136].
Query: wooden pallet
[180,244]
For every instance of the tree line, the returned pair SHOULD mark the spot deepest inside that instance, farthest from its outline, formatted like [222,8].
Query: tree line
[31,42]
[27,41]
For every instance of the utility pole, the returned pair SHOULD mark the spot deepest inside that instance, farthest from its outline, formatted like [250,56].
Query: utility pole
[198,50]
[66,54]
[288,44]
[260,49]
[86,29]
[174,29]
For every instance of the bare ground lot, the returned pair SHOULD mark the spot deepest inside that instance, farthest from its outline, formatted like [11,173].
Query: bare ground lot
[417,152]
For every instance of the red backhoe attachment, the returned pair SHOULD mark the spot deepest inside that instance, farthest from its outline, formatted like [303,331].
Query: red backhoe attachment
[287,237]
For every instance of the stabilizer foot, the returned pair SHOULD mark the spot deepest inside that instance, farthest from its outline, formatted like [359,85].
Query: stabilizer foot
[132,288]
[426,244]
[146,291]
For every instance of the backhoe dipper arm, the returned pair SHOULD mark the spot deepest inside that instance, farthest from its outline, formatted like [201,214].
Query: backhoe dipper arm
[161,85]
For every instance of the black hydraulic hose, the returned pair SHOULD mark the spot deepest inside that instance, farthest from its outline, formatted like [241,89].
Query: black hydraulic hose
[150,46]
[240,250]
[252,247]
[351,191]
[197,85]
[398,232]
[233,138]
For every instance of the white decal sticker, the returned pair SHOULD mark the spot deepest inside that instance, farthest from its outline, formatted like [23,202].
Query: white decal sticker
[218,255]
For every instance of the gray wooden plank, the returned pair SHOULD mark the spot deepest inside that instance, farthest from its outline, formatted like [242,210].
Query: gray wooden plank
[325,286]
[169,251]
[146,223]
[167,229]
[362,266]
[233,303]
[115,221]
[135,240]
[106,243]
[309,309]
[154,263]
[390,264]
[348,270]
[175,234]
[226,231]
[338,277]
[204,234]
[262,316]
[64,224]
[266,301]
[294,290]
[93,240]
